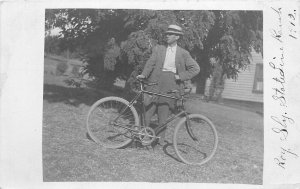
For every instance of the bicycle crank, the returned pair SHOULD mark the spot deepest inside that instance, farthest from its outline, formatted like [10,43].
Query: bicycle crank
[147,136]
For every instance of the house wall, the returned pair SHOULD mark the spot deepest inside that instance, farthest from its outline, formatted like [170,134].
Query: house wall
[242,88]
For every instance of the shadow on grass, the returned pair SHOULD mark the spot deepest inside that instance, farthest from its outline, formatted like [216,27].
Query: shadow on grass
[89,137]
[173,156]
[71,96]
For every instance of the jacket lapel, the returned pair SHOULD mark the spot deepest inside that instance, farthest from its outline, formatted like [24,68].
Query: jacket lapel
[163,55]
[177,58]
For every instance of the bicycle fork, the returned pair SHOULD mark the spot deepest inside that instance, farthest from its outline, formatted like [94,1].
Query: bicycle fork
[188,128]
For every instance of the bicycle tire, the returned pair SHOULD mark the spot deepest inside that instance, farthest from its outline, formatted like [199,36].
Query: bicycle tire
[101,129]
[187,149]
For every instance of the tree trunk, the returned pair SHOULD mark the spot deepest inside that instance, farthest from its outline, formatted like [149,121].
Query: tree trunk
[200,83]
[217,83]
[200,86]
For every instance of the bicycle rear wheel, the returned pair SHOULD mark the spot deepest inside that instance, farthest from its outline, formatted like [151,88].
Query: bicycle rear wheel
[195,141]
[103,127]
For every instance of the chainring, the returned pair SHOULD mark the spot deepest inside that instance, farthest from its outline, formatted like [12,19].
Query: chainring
[147,135]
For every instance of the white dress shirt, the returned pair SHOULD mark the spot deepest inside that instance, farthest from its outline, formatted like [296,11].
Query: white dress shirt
[169,64]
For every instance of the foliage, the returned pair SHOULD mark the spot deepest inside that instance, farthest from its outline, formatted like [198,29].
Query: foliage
[76,70]
[61,68]
[52,45]
[117,43]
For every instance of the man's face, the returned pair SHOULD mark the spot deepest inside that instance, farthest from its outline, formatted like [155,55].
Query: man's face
[171,38]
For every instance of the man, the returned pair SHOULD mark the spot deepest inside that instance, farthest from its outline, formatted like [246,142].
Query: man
[169,67]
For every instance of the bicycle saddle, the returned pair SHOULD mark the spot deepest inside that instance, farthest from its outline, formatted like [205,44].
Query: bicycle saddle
[146,82]
[186,91]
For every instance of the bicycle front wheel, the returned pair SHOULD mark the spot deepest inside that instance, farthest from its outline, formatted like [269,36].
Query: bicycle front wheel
[105,129]
[195,139]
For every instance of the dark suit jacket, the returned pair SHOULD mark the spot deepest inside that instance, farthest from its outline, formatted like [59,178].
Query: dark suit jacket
[186,66]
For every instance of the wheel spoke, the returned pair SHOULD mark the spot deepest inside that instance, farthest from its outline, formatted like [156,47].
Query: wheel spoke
[103,114]
[197,142]
[102,126]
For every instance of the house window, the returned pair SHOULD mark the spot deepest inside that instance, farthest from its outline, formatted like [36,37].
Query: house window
[258,79]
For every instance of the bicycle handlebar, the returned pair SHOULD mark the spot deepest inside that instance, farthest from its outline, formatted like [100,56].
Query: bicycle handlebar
[186,91]
[145,82]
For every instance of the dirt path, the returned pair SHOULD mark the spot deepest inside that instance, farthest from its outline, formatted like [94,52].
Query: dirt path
[69,155]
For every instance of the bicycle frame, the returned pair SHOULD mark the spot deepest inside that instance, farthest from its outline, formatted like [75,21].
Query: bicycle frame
[132,126]
[161,127]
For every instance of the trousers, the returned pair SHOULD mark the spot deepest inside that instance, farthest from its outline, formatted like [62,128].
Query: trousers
[166,82]
[163,111]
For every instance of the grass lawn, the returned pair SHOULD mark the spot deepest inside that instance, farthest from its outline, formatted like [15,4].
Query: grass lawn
[70,155]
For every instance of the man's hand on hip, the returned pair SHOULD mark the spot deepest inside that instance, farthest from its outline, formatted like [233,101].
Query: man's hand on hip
[140,77]
[177,77]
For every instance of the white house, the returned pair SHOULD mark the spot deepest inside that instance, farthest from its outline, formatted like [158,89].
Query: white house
[249,84]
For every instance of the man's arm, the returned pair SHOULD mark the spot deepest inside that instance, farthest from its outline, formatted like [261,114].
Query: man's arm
[192,68]
[150,63]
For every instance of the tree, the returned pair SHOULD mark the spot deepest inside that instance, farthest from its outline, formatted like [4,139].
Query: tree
[52,45]
[117,43]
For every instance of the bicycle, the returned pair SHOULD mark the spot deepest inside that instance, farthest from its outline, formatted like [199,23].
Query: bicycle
[117,124]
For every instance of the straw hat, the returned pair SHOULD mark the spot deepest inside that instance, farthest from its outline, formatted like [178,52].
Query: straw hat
[174,29]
